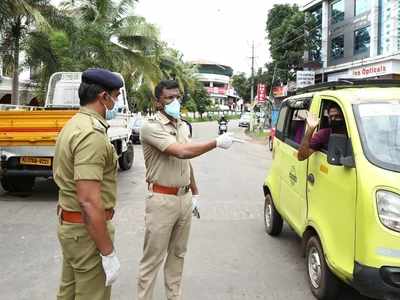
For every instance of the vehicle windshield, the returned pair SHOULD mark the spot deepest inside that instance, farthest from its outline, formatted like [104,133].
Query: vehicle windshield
[379,125]
[63,91]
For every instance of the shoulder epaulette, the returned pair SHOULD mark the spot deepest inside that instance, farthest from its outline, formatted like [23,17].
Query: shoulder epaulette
[98,126]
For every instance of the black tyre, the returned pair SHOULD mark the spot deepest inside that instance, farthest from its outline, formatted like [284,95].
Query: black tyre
[135,140]
[126,159]
[270,144]
[14,184]
[5,184]
[323,283]
[272,219]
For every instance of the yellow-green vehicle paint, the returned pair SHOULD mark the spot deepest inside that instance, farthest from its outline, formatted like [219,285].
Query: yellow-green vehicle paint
[340,207]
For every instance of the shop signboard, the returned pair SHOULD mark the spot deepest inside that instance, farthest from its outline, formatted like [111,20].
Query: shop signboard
[305,78]
[261,93]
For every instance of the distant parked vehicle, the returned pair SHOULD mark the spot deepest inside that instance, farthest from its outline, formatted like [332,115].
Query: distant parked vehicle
[135,136]
[244,120]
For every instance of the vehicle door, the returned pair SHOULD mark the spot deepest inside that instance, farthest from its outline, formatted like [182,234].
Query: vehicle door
[293,172]
[331,193]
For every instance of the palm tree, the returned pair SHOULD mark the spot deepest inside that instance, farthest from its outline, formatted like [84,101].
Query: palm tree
[17,19]
[106,33]
[99,33]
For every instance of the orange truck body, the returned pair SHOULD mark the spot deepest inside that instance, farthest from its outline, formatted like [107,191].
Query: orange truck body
[38,127]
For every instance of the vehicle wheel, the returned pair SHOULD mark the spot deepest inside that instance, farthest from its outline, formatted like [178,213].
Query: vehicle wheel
[272,219]
[270,144]
[126,159]
[323,283]
[5,184]
[18,184]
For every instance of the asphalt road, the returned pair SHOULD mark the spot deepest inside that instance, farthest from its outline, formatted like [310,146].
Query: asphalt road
[230,257]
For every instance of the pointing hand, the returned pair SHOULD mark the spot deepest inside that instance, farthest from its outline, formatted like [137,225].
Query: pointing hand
[226,140]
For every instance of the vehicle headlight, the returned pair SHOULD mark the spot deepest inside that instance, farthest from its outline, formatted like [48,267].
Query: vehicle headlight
[389,209]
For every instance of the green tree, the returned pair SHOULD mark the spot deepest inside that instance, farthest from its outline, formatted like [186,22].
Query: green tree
[141,99]
[101,33]
[106,33]
[242,85]
[286,29]
[18,18]
[201,98]
[190,105]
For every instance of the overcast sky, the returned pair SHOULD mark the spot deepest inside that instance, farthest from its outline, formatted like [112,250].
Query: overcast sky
[216,30]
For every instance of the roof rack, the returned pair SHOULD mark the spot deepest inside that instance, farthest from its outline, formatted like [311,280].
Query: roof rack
[349,83]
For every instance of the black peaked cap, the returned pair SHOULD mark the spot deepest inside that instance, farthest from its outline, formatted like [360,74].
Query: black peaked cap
[102,77]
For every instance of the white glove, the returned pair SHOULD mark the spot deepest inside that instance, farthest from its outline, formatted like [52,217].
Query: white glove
[111,267]
[226,140]
[195,202]
[196,205]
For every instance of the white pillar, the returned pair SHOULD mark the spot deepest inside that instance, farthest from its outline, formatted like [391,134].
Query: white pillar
[325,33]
[374,32]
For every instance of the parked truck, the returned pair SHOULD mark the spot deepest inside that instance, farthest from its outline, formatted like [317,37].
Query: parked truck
[28,134]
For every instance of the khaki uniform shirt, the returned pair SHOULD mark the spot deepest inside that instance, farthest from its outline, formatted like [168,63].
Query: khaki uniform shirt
[157,134]
[84,152]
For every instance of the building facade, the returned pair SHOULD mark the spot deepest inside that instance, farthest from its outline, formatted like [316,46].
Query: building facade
[354,39]
[216,80]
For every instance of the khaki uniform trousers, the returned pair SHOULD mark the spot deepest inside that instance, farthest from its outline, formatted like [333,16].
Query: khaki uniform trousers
[167,220]
[82,277]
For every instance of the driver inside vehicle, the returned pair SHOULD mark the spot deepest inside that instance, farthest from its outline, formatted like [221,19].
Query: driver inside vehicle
[319,140]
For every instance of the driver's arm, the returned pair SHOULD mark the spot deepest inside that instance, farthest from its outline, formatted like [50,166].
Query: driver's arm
[305,151]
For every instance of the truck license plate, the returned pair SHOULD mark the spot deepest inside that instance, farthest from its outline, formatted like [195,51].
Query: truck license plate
[35,161]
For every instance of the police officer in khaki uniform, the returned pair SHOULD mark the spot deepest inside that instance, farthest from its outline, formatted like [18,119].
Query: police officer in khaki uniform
[173,192]
[85,169]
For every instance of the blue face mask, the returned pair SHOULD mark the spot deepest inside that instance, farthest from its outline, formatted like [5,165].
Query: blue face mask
[173,109]
[111,113]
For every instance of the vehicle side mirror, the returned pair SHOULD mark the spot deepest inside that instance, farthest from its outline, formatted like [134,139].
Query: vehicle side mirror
[340,151]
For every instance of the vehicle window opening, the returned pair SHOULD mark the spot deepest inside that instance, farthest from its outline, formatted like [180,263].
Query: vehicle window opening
[281,122]
[296,125]
[324,119]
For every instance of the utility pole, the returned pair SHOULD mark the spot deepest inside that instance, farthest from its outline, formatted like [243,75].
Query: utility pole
[252,72]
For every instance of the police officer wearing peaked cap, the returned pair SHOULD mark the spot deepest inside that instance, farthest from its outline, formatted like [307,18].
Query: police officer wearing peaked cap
[85,169]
